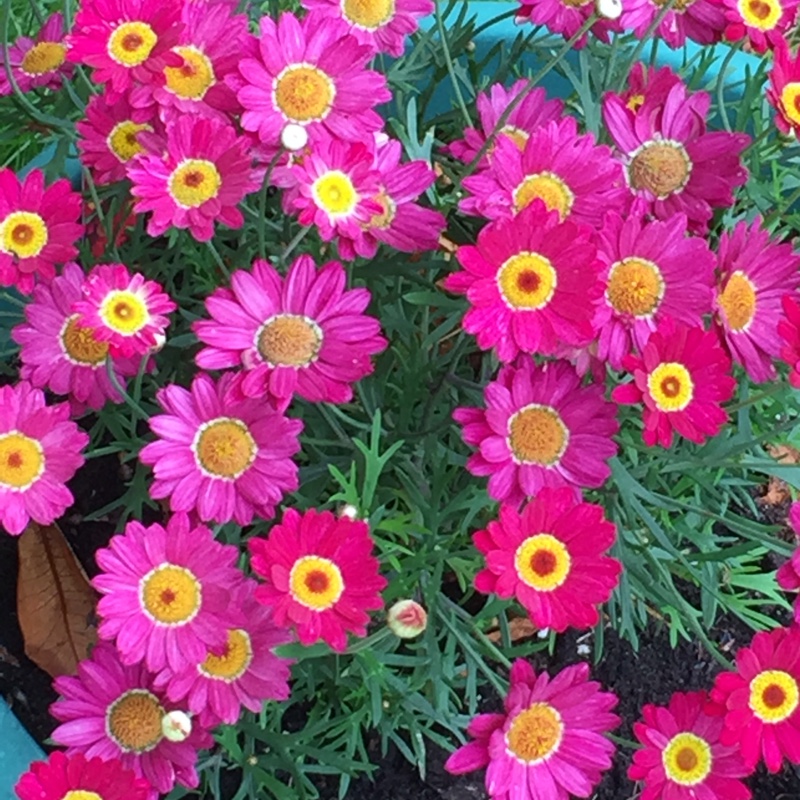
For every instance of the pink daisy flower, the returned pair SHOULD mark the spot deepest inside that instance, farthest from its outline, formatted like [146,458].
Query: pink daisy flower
[310,72]
[682,757]
[383,25]
[754,274]
[784,89]
[109,137]
[39,62]
[402,224]
[564,169]
[532,282]
[761,700]
[125,41]
[167,593]
[549,742]
[112,711]
[206,172]
[243,672]
[788,575]
[124,310]
[531,113]
[650,270]
[319,575]
[672,165]
[683,377]
[40,450]
[75,778]
[540,428]
[566,18]
[305,334]
[702,21]
[763,22]
[334,187]
[789,331]
[552,558]
[226,458]
[38,228]
[59,354]
[648,84]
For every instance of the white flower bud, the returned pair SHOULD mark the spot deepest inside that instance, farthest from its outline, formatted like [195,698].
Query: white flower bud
[176,726]
[609,9]
[543,633]
[407,619]
[351,512]
[294,137]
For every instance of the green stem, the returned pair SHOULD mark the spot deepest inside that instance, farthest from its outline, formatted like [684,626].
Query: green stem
[218,259]
[262,204]
[756,398]
[637,51]
[732,51]
[299,236]
[450,68]
[777,212]
[127,399]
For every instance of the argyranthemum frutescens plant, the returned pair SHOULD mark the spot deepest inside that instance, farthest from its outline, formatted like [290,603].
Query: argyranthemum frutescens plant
[344,292]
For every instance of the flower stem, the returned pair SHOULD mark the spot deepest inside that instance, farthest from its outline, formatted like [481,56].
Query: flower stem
[450,68]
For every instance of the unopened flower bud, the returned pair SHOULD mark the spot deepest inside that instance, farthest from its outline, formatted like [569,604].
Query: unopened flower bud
[161,340]
[349,511]
[407,619]
[294,137]
[176,726]
[609,9]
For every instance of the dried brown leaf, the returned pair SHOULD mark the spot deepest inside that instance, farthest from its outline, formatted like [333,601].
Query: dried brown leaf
[784,454]
[519,628]
[55,601]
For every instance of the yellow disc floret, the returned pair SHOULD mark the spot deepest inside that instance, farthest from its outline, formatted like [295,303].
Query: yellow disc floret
[131,43]
[547,187]
[543,562]
[22,461]
[170,595]
[133,721]
[23,234]
[304,93]
[671,387]
[537,435]
[224,448]
[774,696]
[687,759]
[194,77]
[193,182]
[43,57]
[335,194]
[535,734]
[527,281]
[316,582]
[368,14]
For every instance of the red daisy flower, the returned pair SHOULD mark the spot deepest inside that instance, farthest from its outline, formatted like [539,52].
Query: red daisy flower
[763,22]
[648,83]
[320,575]
[789,331]
[784,91]
[551,557]
[683,377]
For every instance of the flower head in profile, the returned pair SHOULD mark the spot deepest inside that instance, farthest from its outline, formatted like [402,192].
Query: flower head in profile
[61,355]
[203,176]
[301,334]
[682,376]
[551,556]
[319,574]
[789,331]
[40,450]
[551,736]
[763,22]
[784,89]
[38,62]
[227,459]
[38,228]
[540,428]
[566,18]
[702,21]
[755,273]
[788,575]
[126,311]
[113,711]
[532,282]
[648,84]
[761,700]
[682,756]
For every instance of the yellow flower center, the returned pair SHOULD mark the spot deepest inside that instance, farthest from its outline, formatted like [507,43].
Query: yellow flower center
[761,14]
[368,14]
[671,386]
[303,93]
[635,102]
[576,3]
[334,193]
[194,77]
[225,448]
[535,734]
[543,562]
[170,595]
[122,141]
[21,461]
[547,187]
[527,281]
[679,7]
[635,287]
[316,582]
[43,57]
[687,759]
[663,168]
[81,794]
[194,182]
[385,218]
[790,101]
[289,340]
[131,43]
[537,435]
[517,135]
[233,661]
[774,696]
[80,346]
[738,302]
[133,721]
[124,312]
[23,234]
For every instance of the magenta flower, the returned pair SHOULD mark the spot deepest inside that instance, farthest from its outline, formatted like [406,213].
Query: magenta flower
[226,458]
[540,428]
[205,173]
[244,671]
[114,712]
[783,92]
[59,354]
[566,18]
[550,741]
[38,228]
[788,575]
[126,311]
[702,21]
[648,84]
[789,331]
[40,450]
[765,23]
[37,62]
[304,334]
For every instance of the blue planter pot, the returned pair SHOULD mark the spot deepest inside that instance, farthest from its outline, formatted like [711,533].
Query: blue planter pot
[17,750]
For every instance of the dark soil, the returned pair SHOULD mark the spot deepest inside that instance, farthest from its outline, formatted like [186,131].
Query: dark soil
[651,676]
